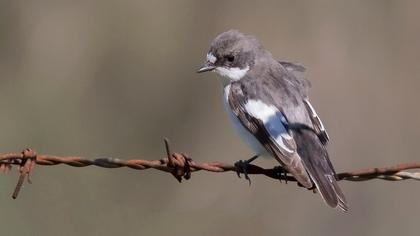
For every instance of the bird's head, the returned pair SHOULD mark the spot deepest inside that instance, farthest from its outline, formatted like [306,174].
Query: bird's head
[231,55]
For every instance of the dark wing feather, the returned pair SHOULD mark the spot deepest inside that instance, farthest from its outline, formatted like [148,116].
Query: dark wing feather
[289,159]
[318,164]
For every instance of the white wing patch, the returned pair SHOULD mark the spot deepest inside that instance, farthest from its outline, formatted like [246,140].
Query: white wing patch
[260,110]
[272,119]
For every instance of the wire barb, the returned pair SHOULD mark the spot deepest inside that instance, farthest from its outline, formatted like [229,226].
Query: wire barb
[181,166]
[180,163]
[26,166]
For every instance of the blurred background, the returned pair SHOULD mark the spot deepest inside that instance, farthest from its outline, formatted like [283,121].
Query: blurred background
[112,78]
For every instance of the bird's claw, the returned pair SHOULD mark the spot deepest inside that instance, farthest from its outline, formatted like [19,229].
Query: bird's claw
[281,173]
[242,167]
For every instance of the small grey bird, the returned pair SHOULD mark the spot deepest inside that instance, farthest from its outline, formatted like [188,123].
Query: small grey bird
[267,102]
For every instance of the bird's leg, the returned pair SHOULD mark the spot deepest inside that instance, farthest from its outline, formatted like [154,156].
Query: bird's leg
[242,167]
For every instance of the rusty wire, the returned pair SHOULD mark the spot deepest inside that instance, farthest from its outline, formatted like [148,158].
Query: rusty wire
[181,166]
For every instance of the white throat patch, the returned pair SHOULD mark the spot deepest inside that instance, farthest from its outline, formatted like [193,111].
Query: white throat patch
[234,73]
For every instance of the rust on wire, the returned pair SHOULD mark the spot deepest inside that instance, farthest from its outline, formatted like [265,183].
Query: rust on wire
[181,166]
[25,168]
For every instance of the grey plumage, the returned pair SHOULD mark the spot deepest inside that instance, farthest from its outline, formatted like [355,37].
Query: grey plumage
[253,75]
[298,72]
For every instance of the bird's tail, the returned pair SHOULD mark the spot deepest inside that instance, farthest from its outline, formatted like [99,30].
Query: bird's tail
[315,158]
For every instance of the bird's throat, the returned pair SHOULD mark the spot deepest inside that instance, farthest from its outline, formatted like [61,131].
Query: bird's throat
[233,73]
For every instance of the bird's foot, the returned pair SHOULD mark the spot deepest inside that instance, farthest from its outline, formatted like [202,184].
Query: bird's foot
[242,167]
[281,173]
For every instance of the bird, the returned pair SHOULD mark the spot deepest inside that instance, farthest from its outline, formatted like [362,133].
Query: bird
[267,102]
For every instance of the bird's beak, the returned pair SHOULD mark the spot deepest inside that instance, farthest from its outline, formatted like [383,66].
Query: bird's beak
[208,66]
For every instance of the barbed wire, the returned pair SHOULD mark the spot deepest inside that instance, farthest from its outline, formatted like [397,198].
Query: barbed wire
[181,166]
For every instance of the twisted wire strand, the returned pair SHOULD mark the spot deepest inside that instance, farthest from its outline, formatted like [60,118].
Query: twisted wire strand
[181,166]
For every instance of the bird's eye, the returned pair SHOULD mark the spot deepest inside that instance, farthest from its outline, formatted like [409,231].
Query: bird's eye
[230,58]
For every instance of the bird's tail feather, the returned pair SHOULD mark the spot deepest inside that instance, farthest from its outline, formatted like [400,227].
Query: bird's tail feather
[315,158]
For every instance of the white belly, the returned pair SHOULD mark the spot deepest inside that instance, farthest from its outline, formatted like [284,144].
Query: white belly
[246,136]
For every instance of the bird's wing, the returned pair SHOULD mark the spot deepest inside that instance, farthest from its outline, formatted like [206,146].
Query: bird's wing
[310,143]
[266,123]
